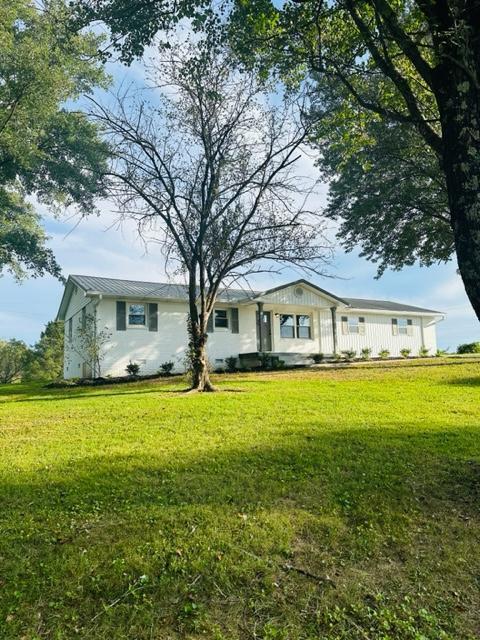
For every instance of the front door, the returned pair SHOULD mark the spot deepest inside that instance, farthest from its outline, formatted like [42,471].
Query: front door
[264,331]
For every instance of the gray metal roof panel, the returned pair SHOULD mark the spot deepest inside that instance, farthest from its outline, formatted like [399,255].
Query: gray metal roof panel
[140,289]
[385,305]
[161,290]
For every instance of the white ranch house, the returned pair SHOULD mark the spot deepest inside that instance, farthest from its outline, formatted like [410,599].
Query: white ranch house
[147,323]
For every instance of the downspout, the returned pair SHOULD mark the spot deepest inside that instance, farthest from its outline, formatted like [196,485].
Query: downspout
[260,326]
[333,311]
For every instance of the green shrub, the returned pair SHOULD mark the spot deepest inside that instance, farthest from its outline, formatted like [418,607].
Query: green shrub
[349,354]
[265,360]
[470,347]
[317,357]
[337,357]
[366,353]
[423,352]
[231,364]
[441,352]
[384,354]
[405,352]
[166,369]
[132,368]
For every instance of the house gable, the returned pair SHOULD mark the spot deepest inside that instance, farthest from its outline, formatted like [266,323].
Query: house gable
[300,293]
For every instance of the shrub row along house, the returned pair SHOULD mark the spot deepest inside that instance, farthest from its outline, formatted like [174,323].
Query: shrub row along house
[146,323]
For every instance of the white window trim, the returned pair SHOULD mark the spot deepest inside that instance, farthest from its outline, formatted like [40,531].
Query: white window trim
[226,329]
[293,326]
[137,327]
[356,325]
[402,330]
[310,326]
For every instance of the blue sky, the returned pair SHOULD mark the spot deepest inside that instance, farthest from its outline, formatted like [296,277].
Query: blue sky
[95,247]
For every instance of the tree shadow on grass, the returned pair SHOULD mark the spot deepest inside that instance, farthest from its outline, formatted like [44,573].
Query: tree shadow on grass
[377,469]
[473,381]
[225,521]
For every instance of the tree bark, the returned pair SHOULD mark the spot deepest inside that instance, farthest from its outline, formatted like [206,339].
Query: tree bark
[458,98]
[199,361]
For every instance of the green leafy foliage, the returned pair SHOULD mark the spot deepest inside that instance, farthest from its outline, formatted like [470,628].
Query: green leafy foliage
[405,352]
[386,188]
[470,347]
[349,354]
[231,364]
[383,354]
[45,149]
[132,368]
[166,368]
[45,361]
[13,358]
[366,353]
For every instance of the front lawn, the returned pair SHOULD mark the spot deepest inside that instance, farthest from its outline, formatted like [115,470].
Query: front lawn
[340,504]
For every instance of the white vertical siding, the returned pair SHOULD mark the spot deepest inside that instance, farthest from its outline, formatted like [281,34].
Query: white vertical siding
[150,349]
[430,335]
[288,296]
[379,334]
[73,361]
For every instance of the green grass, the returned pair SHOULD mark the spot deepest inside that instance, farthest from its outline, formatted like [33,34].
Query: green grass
[296,505]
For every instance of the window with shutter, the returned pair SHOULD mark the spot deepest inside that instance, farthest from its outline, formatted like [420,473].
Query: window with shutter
[121,315]
[394,326]
[221,318]
[345,325]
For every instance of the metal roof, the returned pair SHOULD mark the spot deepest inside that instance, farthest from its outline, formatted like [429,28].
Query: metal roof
[161,290]
[385,305]
[164,291]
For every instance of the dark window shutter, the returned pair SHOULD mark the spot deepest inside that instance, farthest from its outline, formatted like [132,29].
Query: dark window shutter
[121,315]
[152,316]
[210,323]
[234,319]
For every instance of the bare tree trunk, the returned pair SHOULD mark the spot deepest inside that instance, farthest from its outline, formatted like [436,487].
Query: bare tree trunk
[197,326]
[198,353]
[459,102]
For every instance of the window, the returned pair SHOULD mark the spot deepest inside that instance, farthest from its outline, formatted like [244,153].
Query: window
[303,327]
[402,326]
[287,326]
[136,314]
[353,324]
[221,319]
[70,328]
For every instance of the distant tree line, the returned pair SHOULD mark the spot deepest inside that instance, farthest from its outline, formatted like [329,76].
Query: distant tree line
[43,361]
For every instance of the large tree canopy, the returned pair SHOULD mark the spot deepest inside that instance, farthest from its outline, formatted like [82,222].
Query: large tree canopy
[386,188]
[46,149]
[411,63]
